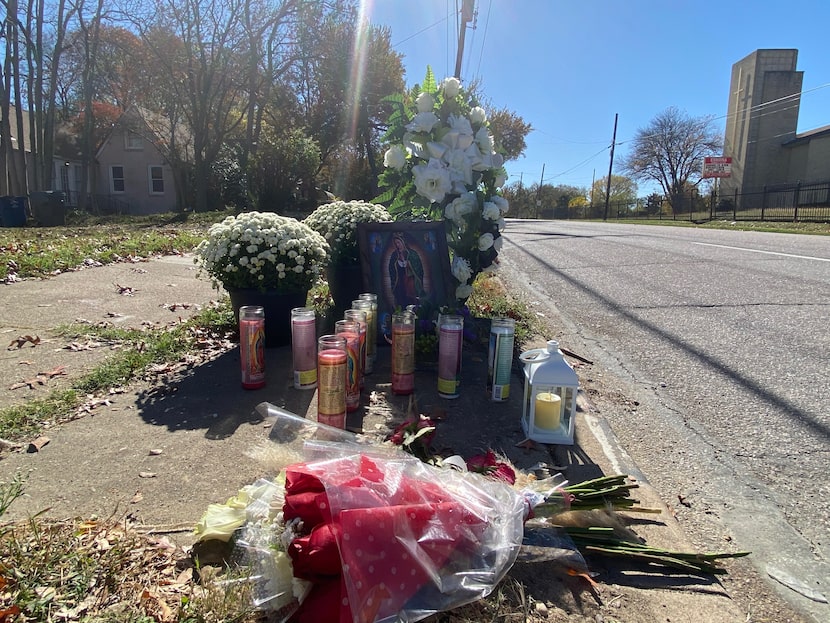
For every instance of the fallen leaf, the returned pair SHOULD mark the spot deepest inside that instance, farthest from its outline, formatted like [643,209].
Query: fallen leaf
[137,497]
[37,444]
[59,371]
[22,340]
[9,614]
[146,474]
[527,444]
[125,290]
[155,451]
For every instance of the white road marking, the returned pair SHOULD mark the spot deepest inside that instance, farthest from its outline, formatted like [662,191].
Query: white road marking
[801,257]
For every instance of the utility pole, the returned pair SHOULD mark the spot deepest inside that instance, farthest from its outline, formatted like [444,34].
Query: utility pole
[539,192]
[467,10]
[610,167]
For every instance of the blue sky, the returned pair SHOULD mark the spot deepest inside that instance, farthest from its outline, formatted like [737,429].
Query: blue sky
[567,67]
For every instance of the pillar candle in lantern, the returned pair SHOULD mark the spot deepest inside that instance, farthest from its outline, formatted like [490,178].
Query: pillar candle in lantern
[548,410]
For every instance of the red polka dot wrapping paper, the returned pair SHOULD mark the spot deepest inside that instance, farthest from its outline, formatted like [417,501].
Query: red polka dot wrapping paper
[409,539]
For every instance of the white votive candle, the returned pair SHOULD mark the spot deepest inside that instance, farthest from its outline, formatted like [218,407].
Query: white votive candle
[548,410]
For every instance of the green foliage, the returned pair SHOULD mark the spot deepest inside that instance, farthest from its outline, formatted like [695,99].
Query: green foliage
[141,349]
[10,491]
[39,252]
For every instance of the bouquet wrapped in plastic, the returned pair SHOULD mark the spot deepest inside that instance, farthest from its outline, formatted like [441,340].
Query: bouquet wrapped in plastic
[374,534]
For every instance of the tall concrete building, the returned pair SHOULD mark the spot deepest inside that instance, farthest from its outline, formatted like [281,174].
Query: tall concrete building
[761,138]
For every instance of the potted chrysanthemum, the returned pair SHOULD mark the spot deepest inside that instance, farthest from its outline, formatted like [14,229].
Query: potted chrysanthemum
[337,223]
[262,258]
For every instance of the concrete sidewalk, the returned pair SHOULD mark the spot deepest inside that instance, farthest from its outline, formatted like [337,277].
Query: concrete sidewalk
[160,452]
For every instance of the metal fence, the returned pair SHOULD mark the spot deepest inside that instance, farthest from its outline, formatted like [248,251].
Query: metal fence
[791,202]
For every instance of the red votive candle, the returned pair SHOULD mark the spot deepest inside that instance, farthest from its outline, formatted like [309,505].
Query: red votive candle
[252,345]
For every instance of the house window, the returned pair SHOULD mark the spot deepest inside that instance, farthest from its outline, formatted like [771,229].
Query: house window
[117,178]
[156,180]
[133,140]
[65,177]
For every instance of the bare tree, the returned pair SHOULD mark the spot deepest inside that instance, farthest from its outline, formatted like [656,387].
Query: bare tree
[670,151]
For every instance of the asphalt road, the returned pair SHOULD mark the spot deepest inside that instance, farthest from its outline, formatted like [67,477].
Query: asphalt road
[722,342]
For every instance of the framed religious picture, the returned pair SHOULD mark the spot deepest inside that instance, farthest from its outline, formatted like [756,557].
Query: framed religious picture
[405,263]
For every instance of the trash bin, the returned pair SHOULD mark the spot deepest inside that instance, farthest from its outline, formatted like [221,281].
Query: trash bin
[48,209]
[12,211]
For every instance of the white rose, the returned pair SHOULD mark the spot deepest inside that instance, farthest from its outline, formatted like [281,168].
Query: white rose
[477,115]
[423,122]
[424,102]
[395,157]
[463,291]
[436,150]
[485,241]
[501,202]
[460,135]
[432,180]
[465,203]
[460,169]
[490,211]
[485,141]
[498,243]
[501,179]
[451,86]
[461,269]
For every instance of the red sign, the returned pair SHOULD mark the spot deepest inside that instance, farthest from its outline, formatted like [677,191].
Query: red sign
[717,166]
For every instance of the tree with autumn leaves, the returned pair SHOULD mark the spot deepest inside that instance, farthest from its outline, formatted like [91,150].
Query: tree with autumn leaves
[230,90]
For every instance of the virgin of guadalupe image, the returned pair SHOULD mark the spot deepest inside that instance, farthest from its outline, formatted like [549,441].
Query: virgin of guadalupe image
[406,273]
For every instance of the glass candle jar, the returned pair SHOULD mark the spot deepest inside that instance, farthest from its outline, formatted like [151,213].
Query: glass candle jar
[359,316]
[350,331]
[450,339]
[252,345]
[403,353]
[370,306]
[304,347]
[331,380]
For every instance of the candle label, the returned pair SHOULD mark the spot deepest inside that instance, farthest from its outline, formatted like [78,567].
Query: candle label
[449,361]
[403,350]
[331,393]
[403,359]
[499,363]
[352,370]
[252,352]
[304,351]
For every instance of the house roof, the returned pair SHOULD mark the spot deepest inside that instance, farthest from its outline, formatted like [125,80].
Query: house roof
[806,137]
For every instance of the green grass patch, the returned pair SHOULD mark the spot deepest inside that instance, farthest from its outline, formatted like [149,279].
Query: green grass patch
[42,251]
[491,299]
[781,227]
[140,349]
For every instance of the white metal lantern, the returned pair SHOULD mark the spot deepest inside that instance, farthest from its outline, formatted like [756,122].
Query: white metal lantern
[551,387]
